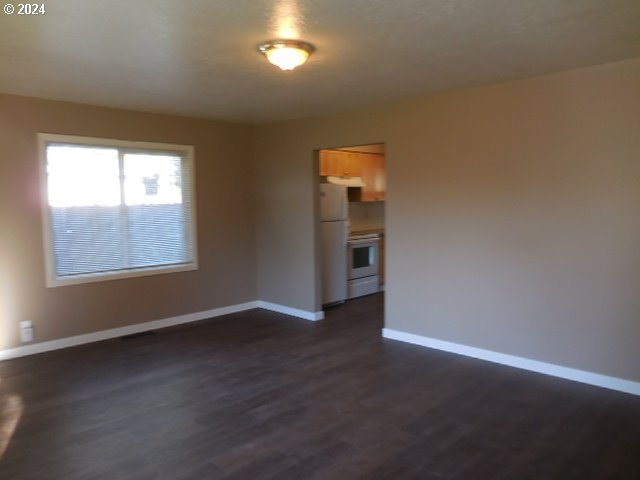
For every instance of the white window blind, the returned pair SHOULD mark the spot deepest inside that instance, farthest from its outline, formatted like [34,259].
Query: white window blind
[116,209]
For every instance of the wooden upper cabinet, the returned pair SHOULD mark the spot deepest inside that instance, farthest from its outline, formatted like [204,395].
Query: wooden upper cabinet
[374,178]
[369,166]
[328,163]
[340,164]
[353,164]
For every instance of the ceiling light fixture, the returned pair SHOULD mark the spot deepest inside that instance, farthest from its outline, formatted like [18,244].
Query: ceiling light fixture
[286,54]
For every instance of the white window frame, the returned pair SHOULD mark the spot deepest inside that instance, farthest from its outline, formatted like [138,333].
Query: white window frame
[52,280]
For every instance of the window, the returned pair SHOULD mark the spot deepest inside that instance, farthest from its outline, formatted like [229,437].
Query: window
[115,209]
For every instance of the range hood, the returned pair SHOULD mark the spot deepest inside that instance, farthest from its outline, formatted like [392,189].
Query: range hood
[346,181]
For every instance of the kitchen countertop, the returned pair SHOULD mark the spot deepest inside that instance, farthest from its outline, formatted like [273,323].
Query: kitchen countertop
[364,231]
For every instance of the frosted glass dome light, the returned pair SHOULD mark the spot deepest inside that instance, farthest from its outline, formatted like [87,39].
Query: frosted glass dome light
[287,54]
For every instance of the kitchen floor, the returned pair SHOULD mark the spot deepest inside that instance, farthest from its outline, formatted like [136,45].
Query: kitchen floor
[262,395]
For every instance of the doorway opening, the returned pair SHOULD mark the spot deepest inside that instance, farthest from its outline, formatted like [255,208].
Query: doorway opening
[351,205]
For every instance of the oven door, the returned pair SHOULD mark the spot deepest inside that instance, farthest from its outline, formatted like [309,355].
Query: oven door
[363,258]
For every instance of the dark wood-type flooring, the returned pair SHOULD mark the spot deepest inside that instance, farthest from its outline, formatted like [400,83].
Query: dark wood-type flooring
[259,395]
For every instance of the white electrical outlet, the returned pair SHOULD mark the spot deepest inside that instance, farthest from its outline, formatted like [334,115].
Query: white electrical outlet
[26,331]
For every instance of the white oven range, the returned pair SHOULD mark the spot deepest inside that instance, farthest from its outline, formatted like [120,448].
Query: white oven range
[363,264]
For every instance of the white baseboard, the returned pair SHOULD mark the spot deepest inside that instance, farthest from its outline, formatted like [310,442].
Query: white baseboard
[274,307]
[42,347]
[582,376]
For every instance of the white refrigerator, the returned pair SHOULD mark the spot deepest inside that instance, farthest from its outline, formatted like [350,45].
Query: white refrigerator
[334,229]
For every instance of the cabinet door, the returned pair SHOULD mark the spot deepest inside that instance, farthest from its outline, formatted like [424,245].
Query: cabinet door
[353,164]
[374,177]
[328,164]
[333,163]
[340,164]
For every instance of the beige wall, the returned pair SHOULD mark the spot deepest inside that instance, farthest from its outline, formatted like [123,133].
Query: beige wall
[225,208]
[512,215]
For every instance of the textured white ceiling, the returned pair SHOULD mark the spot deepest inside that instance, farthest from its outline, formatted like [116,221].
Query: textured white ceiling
[199,58]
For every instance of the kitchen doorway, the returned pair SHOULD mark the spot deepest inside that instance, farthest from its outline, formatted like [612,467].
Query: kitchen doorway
[351,206]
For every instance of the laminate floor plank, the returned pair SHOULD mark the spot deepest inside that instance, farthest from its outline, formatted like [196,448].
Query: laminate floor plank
[260,395]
